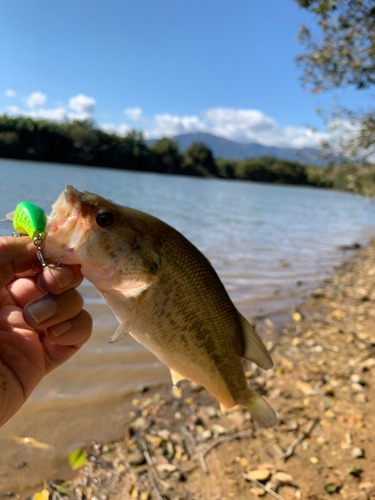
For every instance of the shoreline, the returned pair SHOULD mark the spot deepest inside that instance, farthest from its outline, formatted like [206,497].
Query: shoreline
[324,368]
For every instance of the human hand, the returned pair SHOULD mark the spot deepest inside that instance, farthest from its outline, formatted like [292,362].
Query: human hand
[42,323]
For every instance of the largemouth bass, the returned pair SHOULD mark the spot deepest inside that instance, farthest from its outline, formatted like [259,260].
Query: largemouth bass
[164,291]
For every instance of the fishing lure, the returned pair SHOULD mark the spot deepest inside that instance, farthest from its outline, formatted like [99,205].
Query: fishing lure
[31,220]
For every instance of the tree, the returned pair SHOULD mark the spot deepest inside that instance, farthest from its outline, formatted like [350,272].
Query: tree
[168,158]
[198,160]
[343,56]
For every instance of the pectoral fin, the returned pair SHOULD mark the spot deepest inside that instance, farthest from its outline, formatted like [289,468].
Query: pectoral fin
[255,350]
[126,325]
[176,377]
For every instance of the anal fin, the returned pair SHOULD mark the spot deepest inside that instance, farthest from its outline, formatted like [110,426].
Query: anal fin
[261,411]
[176,377]
[255,350]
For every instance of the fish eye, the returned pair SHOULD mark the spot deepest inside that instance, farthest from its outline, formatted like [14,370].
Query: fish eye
[104,219]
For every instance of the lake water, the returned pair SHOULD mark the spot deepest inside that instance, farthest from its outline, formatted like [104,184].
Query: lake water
[262,239]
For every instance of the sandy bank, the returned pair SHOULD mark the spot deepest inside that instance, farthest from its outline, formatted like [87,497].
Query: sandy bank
[179,446]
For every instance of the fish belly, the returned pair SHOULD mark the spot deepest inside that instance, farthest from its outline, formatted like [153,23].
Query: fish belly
[198,350]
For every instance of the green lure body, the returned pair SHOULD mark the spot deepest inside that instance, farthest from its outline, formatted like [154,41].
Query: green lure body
[30,219]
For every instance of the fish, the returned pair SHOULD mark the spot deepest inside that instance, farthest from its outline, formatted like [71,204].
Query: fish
[164,292]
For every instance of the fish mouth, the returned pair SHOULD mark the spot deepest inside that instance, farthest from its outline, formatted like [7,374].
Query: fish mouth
[62,222]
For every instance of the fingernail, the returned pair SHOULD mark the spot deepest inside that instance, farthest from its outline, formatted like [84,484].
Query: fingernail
[61,328]
[42,310]
[63,276]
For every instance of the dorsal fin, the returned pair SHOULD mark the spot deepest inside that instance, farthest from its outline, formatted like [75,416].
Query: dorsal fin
[255,350]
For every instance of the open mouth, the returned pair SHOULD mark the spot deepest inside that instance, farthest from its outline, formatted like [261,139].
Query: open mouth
[62,222]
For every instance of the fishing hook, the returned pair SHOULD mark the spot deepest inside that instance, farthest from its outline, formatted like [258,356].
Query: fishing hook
[38,240]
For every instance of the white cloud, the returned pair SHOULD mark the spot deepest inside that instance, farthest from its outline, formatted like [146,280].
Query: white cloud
[10,93]
[59,114]
[241,125]
[169,125]
[251,125]
[135,115]
[121,130]
[36,99]
[82,104]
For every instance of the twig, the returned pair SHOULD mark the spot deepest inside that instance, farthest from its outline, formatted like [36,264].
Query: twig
[319,429]
[153,474]
[238,435]
[317,390]
[303,435]
[263,487]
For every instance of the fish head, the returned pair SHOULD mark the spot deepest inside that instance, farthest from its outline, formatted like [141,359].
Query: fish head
[86,229]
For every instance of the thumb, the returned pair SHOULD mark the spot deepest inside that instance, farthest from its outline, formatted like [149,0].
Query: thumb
[16,256]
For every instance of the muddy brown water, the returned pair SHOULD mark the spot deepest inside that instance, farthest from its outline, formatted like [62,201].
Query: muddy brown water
[268,243]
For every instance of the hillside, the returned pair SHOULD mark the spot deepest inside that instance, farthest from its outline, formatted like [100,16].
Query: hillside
[223,148]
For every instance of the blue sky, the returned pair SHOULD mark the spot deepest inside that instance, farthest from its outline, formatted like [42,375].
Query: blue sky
[164,67]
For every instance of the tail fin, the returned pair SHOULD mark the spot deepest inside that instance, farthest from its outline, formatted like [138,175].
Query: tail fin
[261,411]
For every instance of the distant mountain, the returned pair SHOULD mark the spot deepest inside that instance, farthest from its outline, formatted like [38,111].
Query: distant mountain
[223,148]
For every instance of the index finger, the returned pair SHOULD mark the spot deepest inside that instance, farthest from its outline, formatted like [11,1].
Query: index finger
[16,256]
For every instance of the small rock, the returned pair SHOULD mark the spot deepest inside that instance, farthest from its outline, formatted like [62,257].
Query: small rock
[218,430]
[357,388]
[361,397]
[314,460]
[282,478]
[258,492]
[357,452]
[318,292]
[297,317]
[140,423]
[367,364]
[210,411]
[145,495]
[167,467]
[367,486]
[356,379]
[329,413]
[259,474]
[328,390]
[164,434]
[205,435]
[136,458]
[293,426]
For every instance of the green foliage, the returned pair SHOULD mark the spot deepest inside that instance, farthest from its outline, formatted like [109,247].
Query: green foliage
[343,55]
[267,169]
[79,142]
[319,177]
[345,52]
[354,178]
[78,459]
[331,488]
[226,168]
[167,156]
[198,159]
[355,471]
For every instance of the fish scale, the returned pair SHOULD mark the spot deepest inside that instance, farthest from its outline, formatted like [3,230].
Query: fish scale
[164,291]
